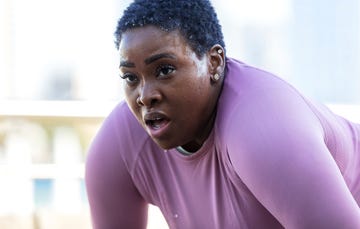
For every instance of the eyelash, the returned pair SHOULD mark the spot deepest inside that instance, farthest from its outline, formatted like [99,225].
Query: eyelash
[128,76]
[167,67]
[131,78]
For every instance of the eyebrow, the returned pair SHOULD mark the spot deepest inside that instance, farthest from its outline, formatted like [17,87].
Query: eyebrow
[126,64]
[156,57]
[148,60]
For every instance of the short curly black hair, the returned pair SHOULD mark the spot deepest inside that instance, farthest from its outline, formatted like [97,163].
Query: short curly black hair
[195,19]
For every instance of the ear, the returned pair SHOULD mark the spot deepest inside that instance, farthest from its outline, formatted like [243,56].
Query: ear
[216,56]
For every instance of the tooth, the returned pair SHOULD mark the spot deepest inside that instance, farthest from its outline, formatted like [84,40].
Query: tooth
[156,126]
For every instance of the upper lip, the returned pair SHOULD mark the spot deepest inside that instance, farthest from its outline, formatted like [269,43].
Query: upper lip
[155,115]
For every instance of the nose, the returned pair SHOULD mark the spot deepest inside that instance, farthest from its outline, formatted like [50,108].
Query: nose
[148,96]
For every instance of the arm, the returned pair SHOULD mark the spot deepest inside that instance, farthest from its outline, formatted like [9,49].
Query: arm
[282,158]
[113,198]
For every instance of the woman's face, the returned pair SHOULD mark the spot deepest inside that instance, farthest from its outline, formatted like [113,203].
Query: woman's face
[168,87]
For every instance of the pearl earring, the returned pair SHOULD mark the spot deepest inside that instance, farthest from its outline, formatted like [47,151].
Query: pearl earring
[219,51]
[216,77]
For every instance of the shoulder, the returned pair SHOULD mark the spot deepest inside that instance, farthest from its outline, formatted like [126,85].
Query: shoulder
[275,143]
[257,106]
[108,173]
[119,137]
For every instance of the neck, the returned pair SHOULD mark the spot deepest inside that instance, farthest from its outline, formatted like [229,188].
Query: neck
[196,144]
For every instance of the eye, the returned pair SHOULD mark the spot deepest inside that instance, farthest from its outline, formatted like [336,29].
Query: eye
[164,70]
[130,78]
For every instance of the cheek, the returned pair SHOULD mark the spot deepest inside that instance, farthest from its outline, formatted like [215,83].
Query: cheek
[200,86]
[130,98]
[194,93]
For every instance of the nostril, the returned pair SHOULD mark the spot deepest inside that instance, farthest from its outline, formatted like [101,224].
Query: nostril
[153,101]
[142,102]
[139,101]
[148,96]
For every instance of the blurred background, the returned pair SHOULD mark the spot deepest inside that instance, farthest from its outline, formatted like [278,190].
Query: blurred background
[59,79]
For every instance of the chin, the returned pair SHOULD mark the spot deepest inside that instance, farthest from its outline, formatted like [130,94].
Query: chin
[165,145]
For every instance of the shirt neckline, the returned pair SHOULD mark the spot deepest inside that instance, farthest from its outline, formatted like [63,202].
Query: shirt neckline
[209,142]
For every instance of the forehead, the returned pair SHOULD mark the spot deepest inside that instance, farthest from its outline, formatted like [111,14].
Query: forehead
[150,39]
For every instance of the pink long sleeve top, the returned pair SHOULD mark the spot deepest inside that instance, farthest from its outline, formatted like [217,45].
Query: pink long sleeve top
[273,160]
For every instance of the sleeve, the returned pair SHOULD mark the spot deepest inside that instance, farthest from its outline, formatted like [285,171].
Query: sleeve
[276,145]
[113,198]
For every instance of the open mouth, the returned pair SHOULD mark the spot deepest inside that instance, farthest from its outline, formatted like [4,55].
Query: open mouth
[155,121]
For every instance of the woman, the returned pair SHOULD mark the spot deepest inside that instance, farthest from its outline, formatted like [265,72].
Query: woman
[211,141]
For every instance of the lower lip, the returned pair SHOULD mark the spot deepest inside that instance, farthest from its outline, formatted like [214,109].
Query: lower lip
[157,133]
